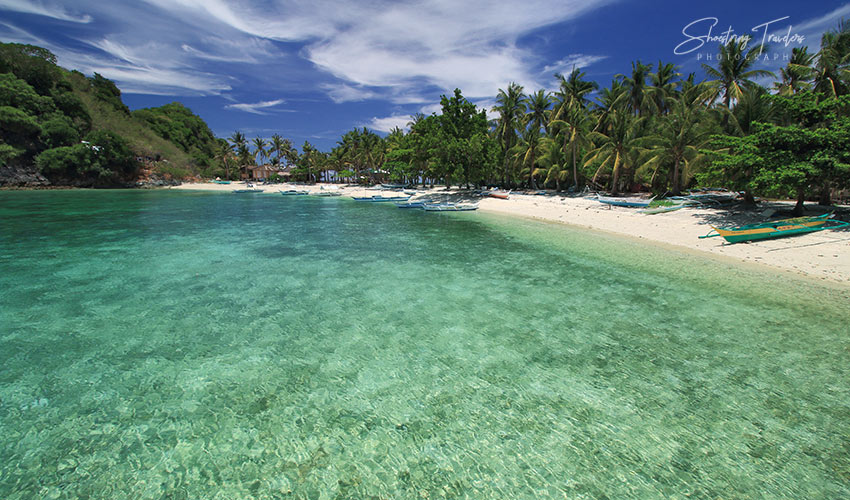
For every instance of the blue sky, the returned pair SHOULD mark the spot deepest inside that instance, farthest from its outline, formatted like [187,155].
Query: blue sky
[313,69]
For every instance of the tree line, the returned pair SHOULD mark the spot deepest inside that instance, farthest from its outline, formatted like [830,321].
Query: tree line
[652,129]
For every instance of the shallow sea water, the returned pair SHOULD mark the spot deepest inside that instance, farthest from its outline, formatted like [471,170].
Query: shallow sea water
[158,344]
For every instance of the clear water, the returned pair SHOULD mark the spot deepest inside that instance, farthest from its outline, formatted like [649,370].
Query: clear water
[156,344]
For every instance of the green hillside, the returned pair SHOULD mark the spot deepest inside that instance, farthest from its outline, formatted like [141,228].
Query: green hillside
[76,130]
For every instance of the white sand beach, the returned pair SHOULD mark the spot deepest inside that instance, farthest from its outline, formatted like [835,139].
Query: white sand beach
[824,255]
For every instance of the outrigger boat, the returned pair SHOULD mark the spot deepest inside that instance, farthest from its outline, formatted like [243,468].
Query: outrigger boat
[382,198]
[249,188]
[449,207]
[624,202]
[328,193]
[663,209]
[499,194]
[293,192]
[775,229]
[412,204]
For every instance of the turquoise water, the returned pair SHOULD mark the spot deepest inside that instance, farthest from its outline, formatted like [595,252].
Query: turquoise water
[156,344]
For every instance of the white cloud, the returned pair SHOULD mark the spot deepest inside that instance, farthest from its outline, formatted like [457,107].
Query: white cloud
[388,123]
[565,66]
[140,80]
[43,9]
[340,92]
[256,107]
[470,45]
[392,49]
[401,51]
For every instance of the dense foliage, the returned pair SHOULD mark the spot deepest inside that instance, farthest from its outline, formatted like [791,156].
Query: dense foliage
[651,129]
[179,125]
[77,130]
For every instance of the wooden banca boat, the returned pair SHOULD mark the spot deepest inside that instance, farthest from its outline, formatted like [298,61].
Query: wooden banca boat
[502,195]
[624,202]
[412,204]
[449,207]
[293,192]
[775,229]
[382,198]
[248,190]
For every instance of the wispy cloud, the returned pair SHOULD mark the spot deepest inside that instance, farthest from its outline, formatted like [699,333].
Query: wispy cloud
[341,92]
[43,9]
[387,124]
[256,108]
[392,49]
[814,28]
[566,65]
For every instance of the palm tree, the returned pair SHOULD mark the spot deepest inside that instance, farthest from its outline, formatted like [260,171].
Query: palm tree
[223,153]
[511,109]
[240,144]
[610,99]
[552,161]
[663,87]
[276,147]
[260,149]
[308,160]
[238,139]
[537,105]
[244,158]
[679,137]
[638,98]
[733,72]
[753,107]
[573,92]
[833,66]
[575,128]
[615,148]
[799,72]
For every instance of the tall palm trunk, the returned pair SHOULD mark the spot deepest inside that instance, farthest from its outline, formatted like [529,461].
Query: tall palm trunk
[615,189]
[676,177]
[575,166]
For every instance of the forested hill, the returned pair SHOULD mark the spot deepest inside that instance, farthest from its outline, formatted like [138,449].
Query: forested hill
[59,127]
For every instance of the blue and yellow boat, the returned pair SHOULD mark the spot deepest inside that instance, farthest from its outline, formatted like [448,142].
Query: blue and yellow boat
[775,229]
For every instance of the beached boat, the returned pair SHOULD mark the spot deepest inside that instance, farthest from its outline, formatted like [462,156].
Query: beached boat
[328,193]
[502,195]
[708,197]
[248,190]
[293,192]
[381,198]
[775,229]
[222,182]
[449,207]
[663,209]
[624,202]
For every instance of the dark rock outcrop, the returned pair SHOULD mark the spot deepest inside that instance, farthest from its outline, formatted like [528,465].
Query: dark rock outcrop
[16,176]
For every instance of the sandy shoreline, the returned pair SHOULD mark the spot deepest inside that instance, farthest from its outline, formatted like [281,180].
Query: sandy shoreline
[824,254]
